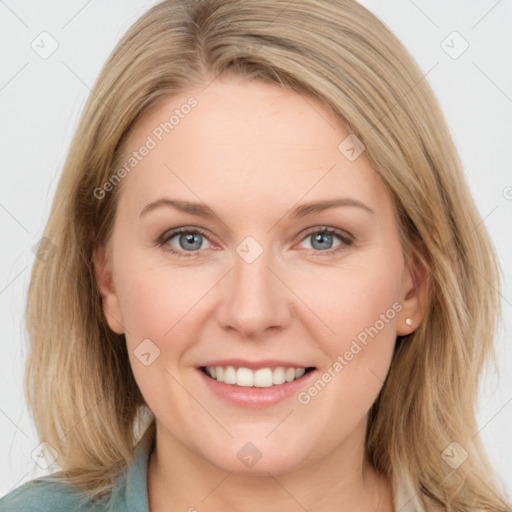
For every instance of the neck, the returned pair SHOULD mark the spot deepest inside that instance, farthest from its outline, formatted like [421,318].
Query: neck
[180,479]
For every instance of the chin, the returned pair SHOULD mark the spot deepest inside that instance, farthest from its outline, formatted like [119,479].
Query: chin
[259,456]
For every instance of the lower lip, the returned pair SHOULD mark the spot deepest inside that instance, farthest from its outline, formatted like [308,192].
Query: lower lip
[253,396]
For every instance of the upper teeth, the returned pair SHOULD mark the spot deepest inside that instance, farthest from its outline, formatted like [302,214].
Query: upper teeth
[261,378]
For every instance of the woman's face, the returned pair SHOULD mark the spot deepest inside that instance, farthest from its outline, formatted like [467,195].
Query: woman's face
[256,281]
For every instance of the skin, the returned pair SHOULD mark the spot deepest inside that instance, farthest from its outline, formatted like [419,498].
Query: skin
[252,152]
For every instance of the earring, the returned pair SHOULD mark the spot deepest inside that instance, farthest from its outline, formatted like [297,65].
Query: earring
[408,321]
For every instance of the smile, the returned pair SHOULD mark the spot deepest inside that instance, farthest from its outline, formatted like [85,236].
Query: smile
[260,378]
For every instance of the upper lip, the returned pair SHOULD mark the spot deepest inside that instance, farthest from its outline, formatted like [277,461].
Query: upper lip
[255,365]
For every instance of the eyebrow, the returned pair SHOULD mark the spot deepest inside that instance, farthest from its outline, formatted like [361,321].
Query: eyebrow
[303,210]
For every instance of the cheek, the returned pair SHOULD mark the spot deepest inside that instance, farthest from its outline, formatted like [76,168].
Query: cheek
[160,304]
[155,298]
[356,309]
[350,300]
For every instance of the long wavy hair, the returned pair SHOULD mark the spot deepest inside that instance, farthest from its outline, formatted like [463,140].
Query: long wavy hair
[79,384]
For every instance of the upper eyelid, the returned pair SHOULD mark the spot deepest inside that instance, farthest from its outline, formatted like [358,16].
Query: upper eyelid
[331,230]
[171,233]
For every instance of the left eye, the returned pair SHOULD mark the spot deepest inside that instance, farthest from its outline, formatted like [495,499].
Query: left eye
[321,240]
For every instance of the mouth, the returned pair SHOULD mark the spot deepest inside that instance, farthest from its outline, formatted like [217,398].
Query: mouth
[259,378]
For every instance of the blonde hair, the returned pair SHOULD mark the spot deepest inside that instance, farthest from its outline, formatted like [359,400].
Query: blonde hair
[79,384]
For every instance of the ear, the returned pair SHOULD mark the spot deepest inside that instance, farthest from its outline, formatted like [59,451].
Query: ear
[109,298]
[414,293]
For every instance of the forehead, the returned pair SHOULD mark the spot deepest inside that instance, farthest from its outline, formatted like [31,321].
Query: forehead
[244,141]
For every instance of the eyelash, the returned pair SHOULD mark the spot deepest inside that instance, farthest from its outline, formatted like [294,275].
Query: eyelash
[344,237]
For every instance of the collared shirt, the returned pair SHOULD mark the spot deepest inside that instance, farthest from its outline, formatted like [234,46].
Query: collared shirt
[129,494]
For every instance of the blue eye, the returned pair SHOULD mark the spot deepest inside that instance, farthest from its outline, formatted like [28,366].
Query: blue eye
[321,240]
[190,241]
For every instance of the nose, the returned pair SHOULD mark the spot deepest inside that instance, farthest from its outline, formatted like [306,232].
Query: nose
[254,299]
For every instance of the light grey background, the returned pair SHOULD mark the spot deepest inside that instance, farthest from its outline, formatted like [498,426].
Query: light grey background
[41,100]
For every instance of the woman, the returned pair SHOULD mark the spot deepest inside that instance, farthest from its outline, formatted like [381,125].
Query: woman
[199,348]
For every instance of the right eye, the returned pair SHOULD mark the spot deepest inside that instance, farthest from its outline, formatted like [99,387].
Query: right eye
[185,240]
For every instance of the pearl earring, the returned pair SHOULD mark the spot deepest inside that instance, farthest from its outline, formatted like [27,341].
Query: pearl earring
[408,321]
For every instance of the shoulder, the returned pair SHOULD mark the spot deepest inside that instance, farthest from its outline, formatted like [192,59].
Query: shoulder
[42,495]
